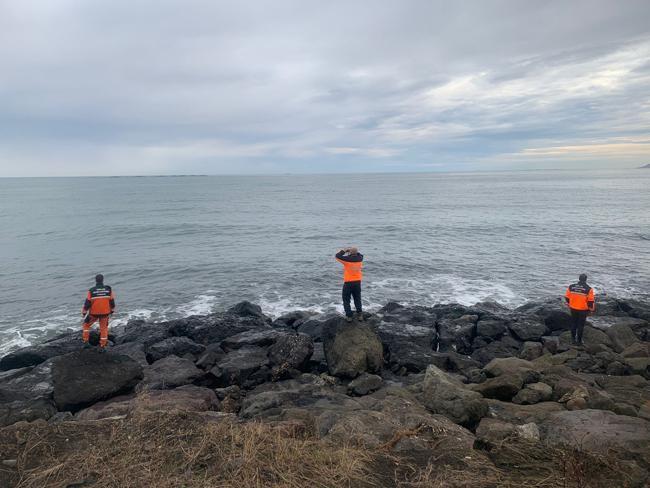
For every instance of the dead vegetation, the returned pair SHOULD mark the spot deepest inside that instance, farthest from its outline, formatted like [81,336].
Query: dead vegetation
[176,449]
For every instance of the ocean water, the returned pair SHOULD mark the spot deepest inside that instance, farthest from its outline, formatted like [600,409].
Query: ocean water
[176,246]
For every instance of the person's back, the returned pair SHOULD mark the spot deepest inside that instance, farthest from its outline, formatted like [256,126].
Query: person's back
[580,298]
[352,261]
[98,306]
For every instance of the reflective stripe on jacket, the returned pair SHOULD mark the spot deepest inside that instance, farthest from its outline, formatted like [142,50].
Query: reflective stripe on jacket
[99,300]
[351,266]
[580,296]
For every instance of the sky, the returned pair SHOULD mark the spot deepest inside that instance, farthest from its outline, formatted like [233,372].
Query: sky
[248,87]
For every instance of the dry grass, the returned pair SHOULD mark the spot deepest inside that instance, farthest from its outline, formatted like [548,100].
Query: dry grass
[176,449]
[183,450]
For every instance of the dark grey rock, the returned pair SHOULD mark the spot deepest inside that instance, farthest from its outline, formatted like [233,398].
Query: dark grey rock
[261,337]
[528,330]
[177,346]
[291,351]
[239,365]
[364,384]
[246,309]
[444,395]
[622,336]
[169,372]
[490,328]
[85,377]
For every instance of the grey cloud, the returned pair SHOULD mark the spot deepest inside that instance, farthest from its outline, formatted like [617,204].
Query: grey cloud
[162,87]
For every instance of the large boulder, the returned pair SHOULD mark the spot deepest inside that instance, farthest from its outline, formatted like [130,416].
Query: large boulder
[169,372]
[528,329]
[533,393]
[26,394]
[134,350]
[407,346]
[247,309]
[177,346]
[598,431]
[351,349]
[503,348]
[500,366]
[490,328]
[503,387]
[238,366]
[445,395]
[85,377]
[145,333]
[622,336]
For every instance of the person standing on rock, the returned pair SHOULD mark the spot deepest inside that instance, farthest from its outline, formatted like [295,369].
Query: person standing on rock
[580,298]
[99,305]
[352,261]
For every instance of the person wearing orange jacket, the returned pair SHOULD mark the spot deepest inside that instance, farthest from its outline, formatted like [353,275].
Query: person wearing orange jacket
[352,261]
[99,305]
[580,298]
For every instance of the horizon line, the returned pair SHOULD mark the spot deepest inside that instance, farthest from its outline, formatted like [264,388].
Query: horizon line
[203,175]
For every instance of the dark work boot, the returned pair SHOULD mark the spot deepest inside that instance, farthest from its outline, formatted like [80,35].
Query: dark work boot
[360,317]
[348,318]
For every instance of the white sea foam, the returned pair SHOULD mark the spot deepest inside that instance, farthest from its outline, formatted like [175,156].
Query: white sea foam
[201,305]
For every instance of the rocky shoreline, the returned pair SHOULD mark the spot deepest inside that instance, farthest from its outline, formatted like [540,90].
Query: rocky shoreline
[414,378]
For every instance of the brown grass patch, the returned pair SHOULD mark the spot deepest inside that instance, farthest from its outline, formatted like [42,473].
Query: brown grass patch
[190,450]
[182,450]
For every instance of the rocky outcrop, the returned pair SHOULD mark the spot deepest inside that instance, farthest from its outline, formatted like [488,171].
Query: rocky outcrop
[409,377]
[352,349]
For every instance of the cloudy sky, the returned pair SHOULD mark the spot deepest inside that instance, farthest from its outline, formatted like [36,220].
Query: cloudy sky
[194,87]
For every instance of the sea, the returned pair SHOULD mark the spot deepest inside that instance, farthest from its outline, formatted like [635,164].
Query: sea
[177,246]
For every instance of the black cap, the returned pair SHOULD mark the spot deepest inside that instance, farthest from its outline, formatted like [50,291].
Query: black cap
[582,278]
[99,278]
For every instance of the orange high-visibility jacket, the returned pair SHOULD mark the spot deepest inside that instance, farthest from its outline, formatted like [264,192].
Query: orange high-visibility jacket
[99,301]
[351,266]
[580,296]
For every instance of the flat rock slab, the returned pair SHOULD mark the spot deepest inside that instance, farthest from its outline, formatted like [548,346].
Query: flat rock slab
[84,377]
[188,398]
[598,431]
